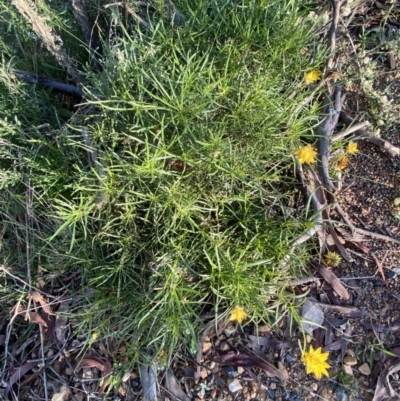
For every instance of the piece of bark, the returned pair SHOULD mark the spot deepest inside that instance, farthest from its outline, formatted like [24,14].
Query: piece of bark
[334,282]
[174,387]
[47,82]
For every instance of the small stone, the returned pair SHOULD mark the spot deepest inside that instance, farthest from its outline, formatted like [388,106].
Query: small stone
[253,394]
[80,396]
[341,394]
[68,371]
[350,360]
[235,386]
[135,383]
[230,330]
[348,370]
[364,369]
[390,274]
[230,371]
[203,373]
[224,346]
[314,387]
[272,386]
[50,353]
[212,364]
[206,346]
[126,376]
[245,390]
[214,393]
[350,352]
[264,329]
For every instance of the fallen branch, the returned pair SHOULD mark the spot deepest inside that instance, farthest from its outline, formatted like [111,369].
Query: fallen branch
[332,108]
[354,128]
[364,134]
[46,82]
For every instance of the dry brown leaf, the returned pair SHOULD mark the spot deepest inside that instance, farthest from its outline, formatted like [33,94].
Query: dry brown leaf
[38,297]
[284,374]
[31,316]
[335,346]
[334,282]
[242,359]
[380,391]
[92,361]
[19,373]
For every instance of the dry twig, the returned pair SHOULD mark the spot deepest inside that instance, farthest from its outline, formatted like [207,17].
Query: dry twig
[364,134]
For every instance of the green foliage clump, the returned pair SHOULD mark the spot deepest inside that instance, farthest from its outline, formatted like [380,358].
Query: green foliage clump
[183,209]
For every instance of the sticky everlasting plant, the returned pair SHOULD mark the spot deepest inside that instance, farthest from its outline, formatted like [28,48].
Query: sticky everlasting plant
[315,361]
[306,154]
[238,314]
[312,76]
[352,148]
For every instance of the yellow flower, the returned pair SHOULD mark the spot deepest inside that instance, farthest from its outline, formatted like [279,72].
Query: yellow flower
[312,76]
[332,259]
[315,362]
[343,161]
[306,154]
[238,314]
[352,148]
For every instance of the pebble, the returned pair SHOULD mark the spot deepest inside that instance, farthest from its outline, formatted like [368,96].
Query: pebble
[288,358]
[253,394]
[350,352]
[230,371]
[203,373]
[390,274]
[207,346]
[235,386]
[347,369]
[214,393]
[272,386]
[350,360]
[134,383]
[248,330]
[341,394]
[245,390]
[224,346]
[264,329]
[314,387]
[291,396]
[364,369]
